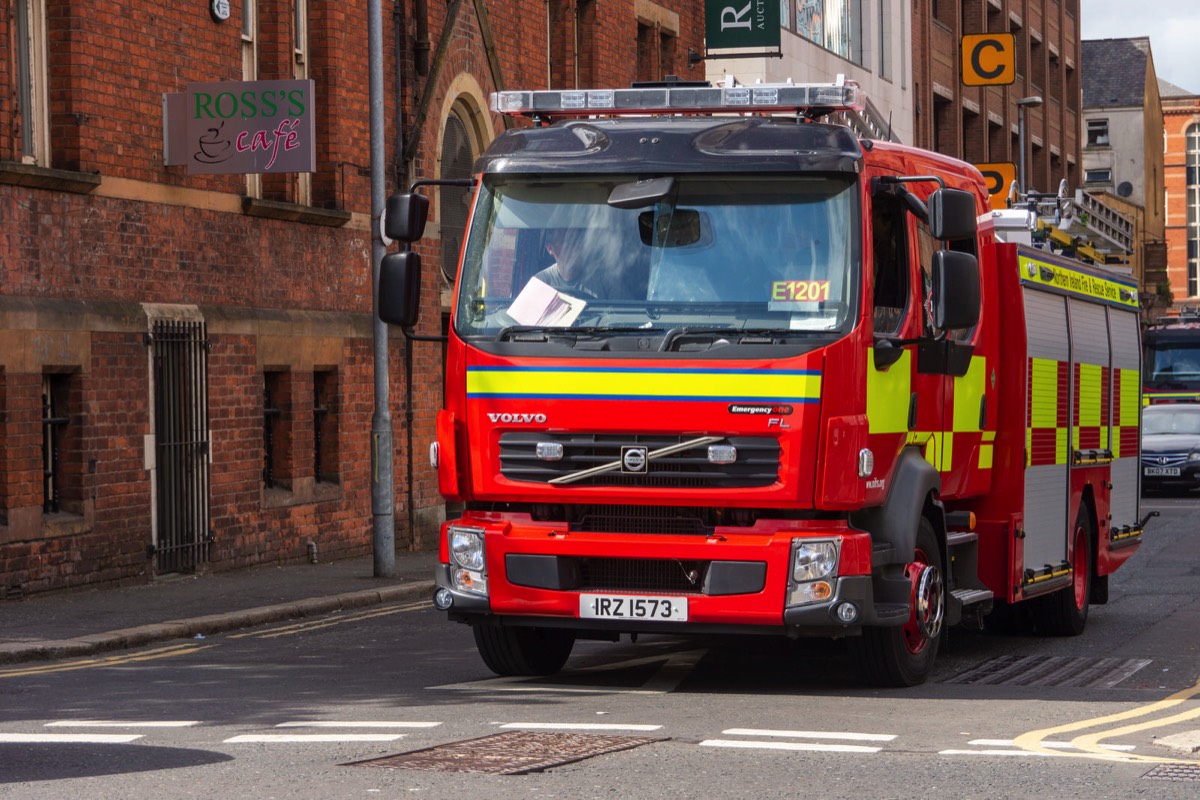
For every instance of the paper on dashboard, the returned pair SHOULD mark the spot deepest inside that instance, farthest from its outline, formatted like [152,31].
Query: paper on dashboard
[541,305]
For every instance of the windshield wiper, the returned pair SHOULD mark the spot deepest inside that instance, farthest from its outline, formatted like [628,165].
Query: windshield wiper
[542,333]
[743,335]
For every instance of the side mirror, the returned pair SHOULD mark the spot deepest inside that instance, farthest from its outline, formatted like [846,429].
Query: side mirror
[952,214]
[400,289]
[405,216]
[956,294]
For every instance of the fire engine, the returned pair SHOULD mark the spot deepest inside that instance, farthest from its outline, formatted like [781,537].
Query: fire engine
[1172,360]
[717,364]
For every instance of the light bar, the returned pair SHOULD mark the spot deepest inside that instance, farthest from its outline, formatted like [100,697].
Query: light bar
[778,98]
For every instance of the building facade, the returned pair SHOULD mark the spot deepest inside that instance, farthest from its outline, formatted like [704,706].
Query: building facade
[1123,147]
[186,359]
[868,41]
[981,124]
[1181,170]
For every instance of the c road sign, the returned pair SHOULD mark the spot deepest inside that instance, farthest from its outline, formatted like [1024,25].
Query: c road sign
[989,59]
[999,177]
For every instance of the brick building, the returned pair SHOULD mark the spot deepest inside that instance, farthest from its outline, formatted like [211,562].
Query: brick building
[186,359]
[980,124]
[1181,123]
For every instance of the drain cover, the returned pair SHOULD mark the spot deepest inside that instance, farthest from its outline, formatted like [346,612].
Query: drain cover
[1102,673]
[509,753]
[1185,773]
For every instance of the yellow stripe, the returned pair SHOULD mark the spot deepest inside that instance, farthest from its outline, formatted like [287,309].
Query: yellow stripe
[986,448]
[1043,393]
[732,385]
[888,393]
[968,394]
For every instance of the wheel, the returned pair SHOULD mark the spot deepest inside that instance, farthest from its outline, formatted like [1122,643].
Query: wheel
[1065,612]
[522,650]
[903,656]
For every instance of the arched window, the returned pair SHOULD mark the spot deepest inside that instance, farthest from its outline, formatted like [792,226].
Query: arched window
[452,200]
[1193,210]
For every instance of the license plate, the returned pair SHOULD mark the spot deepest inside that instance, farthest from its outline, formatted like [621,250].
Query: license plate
[1161,471]
[624,606]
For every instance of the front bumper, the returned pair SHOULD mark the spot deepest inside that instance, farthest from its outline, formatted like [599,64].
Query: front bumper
[733,582]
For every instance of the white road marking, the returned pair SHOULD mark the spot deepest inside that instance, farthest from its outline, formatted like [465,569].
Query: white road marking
[515,685]
[1059,745]
[579,726]
[1026,753]
[746,744]
[853,737]
[68,738]
[316,737]
[364,724]
[116,723]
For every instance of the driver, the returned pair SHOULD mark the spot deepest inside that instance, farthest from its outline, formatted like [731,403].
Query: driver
[568,272]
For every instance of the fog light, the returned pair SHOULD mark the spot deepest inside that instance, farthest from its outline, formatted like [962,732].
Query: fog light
[847,613]
[722,454]
[443,599]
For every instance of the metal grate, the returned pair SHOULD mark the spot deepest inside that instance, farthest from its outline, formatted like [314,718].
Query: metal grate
[642,519]
[180,358]
[1102,673]
[642,575]
[510,753]
[1180,773]
[757,461]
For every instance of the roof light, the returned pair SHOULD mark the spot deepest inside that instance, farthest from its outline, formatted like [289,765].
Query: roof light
[783,97]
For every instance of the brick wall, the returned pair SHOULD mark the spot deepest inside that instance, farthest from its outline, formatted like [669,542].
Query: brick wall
[85,270]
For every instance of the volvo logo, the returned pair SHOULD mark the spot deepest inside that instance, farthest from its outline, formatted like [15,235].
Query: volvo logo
[517,418]
[634,459]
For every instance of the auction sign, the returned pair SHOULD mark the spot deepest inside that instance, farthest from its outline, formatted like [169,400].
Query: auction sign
[741,23]
[241,127]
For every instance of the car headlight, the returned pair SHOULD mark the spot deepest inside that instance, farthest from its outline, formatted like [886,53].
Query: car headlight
[1194,456]
[812,561]
[466,548]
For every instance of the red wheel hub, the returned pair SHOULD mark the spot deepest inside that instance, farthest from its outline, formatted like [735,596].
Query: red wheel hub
[926,601]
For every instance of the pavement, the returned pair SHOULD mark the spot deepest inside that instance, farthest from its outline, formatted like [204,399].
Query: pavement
[78,623]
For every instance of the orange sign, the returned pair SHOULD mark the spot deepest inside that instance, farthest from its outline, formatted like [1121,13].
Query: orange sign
[999,178]
[989,59]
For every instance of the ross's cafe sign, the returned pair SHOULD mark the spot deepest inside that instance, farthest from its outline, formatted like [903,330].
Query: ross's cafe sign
[241,127]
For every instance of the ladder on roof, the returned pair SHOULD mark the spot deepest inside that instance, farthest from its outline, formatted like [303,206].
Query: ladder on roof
[1080,226]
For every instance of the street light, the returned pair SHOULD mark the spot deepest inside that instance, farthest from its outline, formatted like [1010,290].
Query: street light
[1022,104]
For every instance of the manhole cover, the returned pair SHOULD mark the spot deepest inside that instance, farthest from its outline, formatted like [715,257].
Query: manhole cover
[1187,773]
[1094,673]
[510,753]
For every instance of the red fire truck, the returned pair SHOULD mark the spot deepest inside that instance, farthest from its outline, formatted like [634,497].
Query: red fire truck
[716,364]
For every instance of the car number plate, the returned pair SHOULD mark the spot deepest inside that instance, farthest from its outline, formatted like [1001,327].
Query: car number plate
[623,606]
[1164,471]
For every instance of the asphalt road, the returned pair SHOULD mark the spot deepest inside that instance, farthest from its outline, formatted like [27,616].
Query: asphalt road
[291,710]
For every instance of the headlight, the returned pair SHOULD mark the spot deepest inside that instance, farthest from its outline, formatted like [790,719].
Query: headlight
[812,561]
[1194,456]
[466,547]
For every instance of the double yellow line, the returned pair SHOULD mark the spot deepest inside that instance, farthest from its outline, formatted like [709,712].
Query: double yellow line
[109,661]
[329,622]
[1090,745]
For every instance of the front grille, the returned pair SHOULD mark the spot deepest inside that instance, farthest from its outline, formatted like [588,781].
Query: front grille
[757,461]
[642,575]
[1164,459]
[641,519]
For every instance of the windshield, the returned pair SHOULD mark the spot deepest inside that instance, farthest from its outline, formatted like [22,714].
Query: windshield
[1164,419]
[774,256]
[1172,364]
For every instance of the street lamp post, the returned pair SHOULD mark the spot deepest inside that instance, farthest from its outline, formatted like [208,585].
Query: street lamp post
[1022,104]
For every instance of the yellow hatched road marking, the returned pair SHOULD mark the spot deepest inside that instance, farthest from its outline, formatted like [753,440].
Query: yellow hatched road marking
[1090,745]
[110,661]
[329,622]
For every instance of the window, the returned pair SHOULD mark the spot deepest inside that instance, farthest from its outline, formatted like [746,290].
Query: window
[1097,176]
[250,72]
[1097,133]
[325,426]
[1193,210]
[885,41]
[888,244]
[277,430]
[33,97]
[835,25]
[62,472]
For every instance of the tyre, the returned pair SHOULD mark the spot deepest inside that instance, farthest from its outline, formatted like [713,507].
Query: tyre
[523,650]
[1065,612]
[904,655]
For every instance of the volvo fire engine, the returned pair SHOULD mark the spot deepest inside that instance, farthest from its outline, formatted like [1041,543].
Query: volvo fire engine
[718,365]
